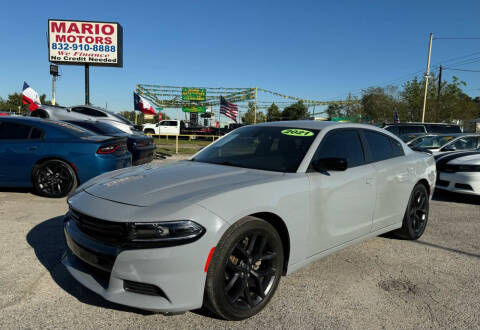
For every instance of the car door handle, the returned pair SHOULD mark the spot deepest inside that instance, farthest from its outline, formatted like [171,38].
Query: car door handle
[370,180]
[32,148]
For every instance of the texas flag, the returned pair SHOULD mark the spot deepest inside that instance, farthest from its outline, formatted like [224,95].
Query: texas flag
[140,104]
[30,96]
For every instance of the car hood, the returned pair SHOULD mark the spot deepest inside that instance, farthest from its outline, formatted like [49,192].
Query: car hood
[179,182]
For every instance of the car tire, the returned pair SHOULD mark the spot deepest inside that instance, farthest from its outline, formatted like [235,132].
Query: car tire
[54,178]
[416,216]
[245,270]
[149,131]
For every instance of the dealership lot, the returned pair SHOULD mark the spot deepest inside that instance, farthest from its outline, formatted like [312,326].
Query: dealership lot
[383,282]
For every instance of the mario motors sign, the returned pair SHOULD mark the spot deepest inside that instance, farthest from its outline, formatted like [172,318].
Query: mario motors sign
[85,42]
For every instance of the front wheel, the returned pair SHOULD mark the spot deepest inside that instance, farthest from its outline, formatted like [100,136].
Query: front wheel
[149,131]
[416,215]
[54,178]
[245,270]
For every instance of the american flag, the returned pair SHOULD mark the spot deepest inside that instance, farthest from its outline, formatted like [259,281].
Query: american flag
[228,109]
[396,119]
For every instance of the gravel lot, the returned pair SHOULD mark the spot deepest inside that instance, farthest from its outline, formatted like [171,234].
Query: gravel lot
[381,283]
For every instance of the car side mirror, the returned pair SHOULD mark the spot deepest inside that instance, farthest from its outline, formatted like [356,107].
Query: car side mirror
[330,164]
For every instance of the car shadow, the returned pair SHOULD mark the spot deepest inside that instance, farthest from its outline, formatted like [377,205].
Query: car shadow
[17,190]
[447,196]
[48,242]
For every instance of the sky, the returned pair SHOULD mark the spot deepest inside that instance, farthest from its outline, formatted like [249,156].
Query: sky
[319,50]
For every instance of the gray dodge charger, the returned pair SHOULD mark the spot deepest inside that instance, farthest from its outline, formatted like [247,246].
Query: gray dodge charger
[220,229]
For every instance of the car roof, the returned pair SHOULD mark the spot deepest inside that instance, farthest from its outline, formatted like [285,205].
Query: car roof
[418,124]
[312,124]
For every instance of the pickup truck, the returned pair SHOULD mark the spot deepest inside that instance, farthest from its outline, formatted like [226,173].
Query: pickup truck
[175,127]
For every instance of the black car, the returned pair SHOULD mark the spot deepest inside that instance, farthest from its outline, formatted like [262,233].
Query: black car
[140,146]
[402,129]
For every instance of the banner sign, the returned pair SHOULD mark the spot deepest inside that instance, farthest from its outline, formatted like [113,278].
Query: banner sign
[85,42]
[194,109]
[194,94]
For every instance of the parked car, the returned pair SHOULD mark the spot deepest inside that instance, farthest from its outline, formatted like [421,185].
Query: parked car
[140,146]
[175,127]
[53,157]
[221,228]
[459,172]
[84,112]
[432,128]
[442,143]
[408,138]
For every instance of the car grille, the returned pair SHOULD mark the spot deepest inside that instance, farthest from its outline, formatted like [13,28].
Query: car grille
[101,230]
[463,186]
[143,288]
[443,183]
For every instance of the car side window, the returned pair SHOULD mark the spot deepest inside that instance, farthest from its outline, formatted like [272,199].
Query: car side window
[465,143]
[380,145]
[36,133]
[343,143]
[397,148]
[14,131]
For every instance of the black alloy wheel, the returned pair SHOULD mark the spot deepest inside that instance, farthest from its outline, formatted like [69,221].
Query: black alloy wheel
[245,270]
[54,178]
[416,216]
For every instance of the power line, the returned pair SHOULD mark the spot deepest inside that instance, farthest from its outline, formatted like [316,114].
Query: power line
[402,79]
[457,38]
[461,70]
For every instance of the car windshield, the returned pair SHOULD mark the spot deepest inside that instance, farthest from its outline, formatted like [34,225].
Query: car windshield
[432,142]
[99,127]
[270,148]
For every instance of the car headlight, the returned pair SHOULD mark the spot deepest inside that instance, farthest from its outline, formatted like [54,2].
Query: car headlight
[168,233]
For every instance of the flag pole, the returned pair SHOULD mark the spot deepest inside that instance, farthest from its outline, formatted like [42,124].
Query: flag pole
[136,114]
[255,116]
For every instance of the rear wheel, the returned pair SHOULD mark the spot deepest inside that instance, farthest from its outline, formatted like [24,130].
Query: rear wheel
[149,131]
[54,178]
[416,216]
[245,270]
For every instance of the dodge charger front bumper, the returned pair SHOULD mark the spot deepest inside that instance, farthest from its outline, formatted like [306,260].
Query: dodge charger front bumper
[167,279]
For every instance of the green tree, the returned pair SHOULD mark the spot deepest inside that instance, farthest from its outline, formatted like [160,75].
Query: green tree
[14,103]
[273,113]
[249,116]
[334,110]
[379,104]
[295,111]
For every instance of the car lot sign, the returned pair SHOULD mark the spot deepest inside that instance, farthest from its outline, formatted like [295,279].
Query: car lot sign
[85,42]
[194,109]
[194,94]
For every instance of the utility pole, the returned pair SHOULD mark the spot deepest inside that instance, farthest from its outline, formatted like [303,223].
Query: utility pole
[439,83]
[255,116]
[54,73]
[87,84]
[426,77]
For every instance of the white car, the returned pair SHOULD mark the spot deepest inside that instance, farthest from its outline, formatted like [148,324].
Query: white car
[459,172]
[221,229]
[165,127]
[441,143]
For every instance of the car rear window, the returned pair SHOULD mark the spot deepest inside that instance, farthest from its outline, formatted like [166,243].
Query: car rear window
[98,127]
[443,129]
[71,129]
[407,129]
